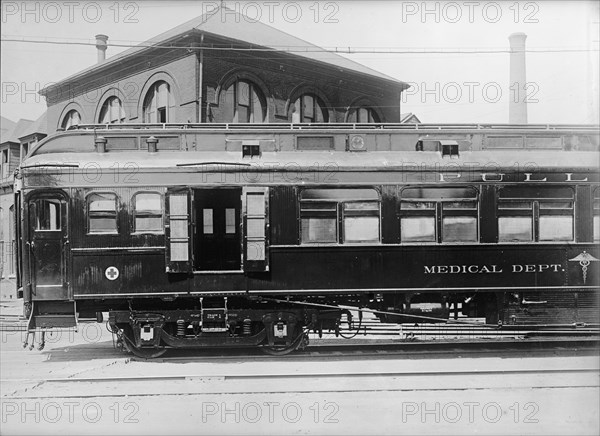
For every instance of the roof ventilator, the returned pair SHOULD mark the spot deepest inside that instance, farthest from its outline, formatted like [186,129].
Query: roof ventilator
[100,144]
[446,147]
[449,148]
[152,143]
[250,148]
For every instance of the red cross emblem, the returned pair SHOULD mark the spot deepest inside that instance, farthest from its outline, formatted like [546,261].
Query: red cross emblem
[111,273]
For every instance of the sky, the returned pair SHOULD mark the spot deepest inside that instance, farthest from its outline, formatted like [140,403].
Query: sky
[452,53]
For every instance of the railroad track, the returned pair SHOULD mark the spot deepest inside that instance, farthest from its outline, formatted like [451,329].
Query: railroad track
[362,347]
[307,382]
[341,352]
[438,331]
[425,331]
[371,326]
[13,325]
[9,317]
[319,375]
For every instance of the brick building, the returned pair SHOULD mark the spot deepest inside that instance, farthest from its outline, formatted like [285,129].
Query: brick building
[223,67]
[220,67]
[16,139]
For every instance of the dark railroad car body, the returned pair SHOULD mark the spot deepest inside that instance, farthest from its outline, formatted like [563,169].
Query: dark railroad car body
[207,235]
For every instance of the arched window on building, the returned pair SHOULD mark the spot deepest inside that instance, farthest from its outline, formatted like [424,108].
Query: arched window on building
[308,108]
[157,103]
[71,119]
[244,103]
[112,111]
[363,115]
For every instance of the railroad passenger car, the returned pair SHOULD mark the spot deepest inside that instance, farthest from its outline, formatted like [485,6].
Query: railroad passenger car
[237,235]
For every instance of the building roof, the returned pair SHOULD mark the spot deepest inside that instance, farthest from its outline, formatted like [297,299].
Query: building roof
[409,117]
[13,135]
[6,128]
[231,25]
[39,126]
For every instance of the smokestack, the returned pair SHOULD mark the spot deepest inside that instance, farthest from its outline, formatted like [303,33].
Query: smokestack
[101,44]
[517,109]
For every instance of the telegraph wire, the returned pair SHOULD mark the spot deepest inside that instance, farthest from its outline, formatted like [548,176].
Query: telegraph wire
[304,49]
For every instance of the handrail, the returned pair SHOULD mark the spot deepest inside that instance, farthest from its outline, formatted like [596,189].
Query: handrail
[336,126]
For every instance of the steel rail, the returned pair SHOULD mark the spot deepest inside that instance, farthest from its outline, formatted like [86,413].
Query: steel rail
[294,375]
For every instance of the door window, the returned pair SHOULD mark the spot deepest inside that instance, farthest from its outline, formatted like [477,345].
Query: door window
[47,224]
[47,214]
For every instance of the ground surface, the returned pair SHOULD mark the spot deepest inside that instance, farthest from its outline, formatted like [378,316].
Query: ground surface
[244,393]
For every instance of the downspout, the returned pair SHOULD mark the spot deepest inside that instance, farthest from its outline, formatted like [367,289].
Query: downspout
[201,78]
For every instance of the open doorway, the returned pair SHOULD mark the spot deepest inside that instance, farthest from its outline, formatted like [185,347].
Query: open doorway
[218,229]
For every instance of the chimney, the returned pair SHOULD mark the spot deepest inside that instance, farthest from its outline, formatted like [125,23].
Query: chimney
[517,109]
[101,44]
